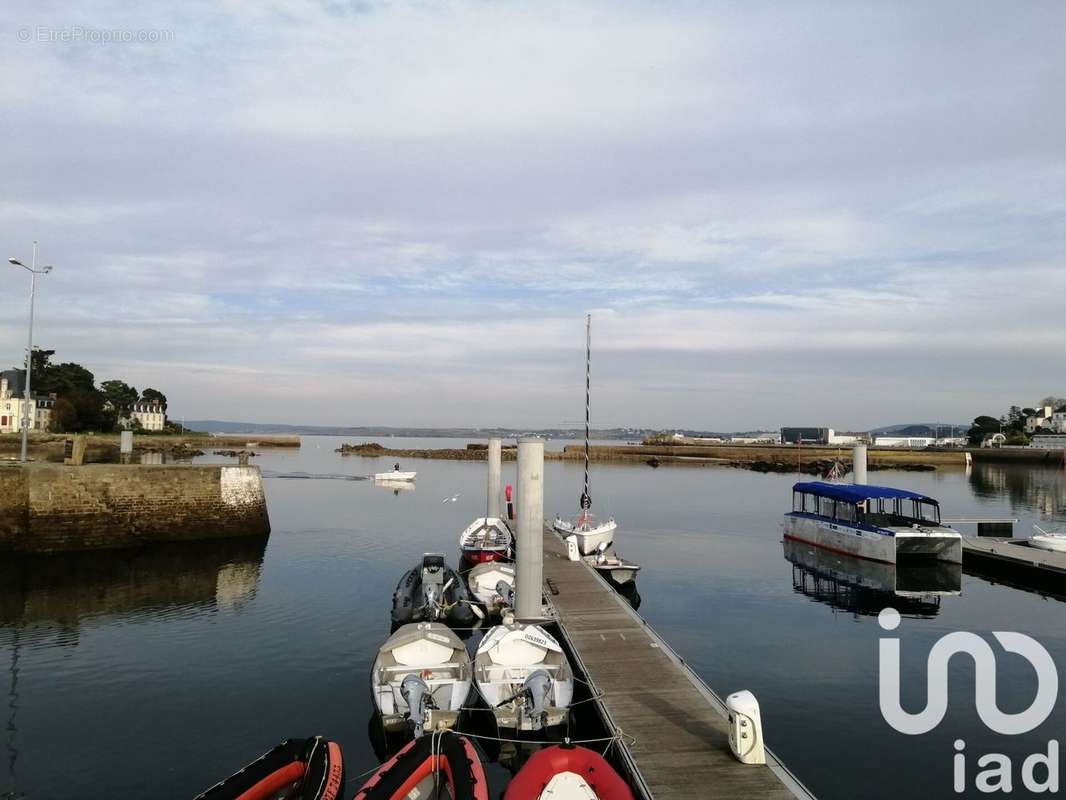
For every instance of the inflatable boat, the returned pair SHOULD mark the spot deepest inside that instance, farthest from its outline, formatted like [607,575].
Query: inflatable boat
[432,592]
[524,677]
[425,764]
[421,678]
[567,771]
[297,769]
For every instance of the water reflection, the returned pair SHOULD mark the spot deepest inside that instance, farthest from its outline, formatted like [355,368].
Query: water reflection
[865,587]
[65,589]
[1041,490]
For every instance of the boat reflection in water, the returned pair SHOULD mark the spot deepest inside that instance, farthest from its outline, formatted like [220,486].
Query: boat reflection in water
[395,486]
[61,590]
[913,587]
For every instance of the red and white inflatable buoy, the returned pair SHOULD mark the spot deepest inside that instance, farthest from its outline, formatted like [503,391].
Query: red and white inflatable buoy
[570,772]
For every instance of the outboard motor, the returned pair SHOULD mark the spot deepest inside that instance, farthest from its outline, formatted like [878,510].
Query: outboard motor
[535,690]
[433,584]
[506,593]
[415,693]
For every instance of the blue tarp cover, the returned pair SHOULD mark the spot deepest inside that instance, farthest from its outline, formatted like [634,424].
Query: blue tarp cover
[853,493]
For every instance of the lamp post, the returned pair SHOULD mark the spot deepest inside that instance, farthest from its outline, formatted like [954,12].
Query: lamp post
[27,393]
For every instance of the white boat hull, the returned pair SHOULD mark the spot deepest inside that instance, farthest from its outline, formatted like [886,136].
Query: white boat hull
[395,476]
[433,653]
[1055,542]
[590,536]
[884,545]
[505,658]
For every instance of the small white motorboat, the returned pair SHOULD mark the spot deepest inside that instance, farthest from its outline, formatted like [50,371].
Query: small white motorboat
[612,566]
[492,583]
[1048,540]
[485,539]
[524,677]
[395,475]
[590,533]
[421,678]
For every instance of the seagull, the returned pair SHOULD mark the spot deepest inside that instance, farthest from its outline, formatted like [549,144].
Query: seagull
[451,499]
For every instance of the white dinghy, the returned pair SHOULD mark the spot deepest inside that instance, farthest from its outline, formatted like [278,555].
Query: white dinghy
[524,677]
[590,533]
[421,678]
[395,475]
[492,583]
[486,539]
[1048,540]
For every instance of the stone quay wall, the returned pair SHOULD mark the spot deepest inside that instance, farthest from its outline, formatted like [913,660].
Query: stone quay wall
[48,508]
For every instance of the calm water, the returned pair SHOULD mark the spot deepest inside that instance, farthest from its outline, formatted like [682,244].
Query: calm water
[155,675]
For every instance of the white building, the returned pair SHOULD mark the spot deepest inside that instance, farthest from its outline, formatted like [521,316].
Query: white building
[903,441]
[151,416]
[12,382]
[843,438]
[1049,441]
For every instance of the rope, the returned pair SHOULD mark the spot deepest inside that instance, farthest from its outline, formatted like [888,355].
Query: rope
[617,737]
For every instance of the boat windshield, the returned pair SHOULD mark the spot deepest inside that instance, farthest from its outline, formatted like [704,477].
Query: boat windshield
[899,512]
[880,512]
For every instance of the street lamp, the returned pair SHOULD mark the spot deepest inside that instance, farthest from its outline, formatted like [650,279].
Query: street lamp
[27,394]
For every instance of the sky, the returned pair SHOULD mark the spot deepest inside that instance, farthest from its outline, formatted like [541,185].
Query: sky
[393,213]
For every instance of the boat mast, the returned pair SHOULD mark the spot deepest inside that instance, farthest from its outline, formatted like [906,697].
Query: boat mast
[586,498]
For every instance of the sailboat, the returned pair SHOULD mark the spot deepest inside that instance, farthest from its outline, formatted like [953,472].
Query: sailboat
[592,535]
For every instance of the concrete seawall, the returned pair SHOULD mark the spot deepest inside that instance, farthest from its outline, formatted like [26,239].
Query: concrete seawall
[48,508]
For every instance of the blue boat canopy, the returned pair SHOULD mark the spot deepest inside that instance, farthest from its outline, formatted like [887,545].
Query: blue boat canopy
[856,493]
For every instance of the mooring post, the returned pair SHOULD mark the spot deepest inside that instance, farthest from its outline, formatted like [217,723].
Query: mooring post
[858,459]
[495,456]
[529,577]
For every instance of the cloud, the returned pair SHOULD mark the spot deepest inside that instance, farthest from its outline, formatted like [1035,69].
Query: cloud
[406,208]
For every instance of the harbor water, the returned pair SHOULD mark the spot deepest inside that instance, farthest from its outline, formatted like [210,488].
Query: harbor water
[157,673]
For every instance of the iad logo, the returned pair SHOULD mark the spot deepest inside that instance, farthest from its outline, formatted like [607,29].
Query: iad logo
[998,775]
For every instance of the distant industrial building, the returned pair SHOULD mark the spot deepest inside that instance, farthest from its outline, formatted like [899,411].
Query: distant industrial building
[819,436]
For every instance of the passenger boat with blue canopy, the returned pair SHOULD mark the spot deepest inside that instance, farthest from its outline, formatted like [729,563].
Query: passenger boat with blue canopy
[874,522]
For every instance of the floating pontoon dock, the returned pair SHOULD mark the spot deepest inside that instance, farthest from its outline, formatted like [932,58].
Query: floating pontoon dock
[989,553]
[678,726]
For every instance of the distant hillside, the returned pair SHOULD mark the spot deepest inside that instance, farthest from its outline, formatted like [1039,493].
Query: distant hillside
[922,429]
[229,426]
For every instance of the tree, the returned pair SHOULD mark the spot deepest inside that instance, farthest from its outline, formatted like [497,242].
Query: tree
[154,396]
[983,426]
[1015,420]
[120,395]
[1052,401]
[64,419]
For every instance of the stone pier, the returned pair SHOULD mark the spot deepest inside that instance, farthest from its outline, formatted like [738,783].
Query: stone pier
[48,508]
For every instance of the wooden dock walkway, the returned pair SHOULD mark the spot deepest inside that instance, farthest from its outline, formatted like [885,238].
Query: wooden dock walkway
[1010,553]
[681,747]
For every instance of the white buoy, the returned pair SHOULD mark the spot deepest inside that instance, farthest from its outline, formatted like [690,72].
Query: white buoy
[494,457]
[529,574]
[858,460]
